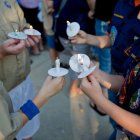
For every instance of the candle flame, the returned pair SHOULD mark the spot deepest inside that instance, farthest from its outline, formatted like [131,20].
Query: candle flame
[31,27]
[68,23]
[80,59]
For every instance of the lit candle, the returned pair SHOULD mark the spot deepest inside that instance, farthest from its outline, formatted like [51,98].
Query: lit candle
[69,25]
[16,33]
[81,62]
[31,29]
[57,64]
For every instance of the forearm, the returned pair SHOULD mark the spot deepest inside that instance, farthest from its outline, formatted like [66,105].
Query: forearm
[127,120]
[91,4]
[39,102]
[113,82]
[99,41]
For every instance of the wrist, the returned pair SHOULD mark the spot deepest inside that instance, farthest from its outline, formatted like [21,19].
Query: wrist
[40,99]
[29,109]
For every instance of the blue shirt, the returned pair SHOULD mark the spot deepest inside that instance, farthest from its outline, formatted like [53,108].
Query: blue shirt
[125,30]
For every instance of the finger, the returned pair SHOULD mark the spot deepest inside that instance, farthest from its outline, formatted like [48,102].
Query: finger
[104,83]
[20,46]
[49,78]
[31,42]
[92,79]
[36,39]
[12,41]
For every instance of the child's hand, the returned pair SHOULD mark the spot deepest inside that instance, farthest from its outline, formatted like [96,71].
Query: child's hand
[91,86]
[91,14]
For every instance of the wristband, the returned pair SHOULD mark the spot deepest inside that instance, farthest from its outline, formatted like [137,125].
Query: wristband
[30,109]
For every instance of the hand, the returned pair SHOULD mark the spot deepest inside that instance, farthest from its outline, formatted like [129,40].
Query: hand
[81,38]
[91,87]
[91,14]
[50,9]
[11,47]
[32,40]
[50,88]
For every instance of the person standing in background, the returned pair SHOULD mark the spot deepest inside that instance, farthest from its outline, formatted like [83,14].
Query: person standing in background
[31,10]
[78,13]
[47,14]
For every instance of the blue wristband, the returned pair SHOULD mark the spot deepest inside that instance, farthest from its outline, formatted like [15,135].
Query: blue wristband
[30,109]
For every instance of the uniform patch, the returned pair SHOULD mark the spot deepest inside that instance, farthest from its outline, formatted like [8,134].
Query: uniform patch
[7,4]
[113,34]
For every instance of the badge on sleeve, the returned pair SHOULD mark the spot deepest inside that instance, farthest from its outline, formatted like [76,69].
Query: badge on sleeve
[113,34]
[7,4]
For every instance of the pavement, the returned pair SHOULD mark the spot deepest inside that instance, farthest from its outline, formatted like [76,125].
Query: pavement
[63,117]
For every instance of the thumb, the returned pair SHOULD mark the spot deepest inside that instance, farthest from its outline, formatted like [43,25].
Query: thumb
[93,80]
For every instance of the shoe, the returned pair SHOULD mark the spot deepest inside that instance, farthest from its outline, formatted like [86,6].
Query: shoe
[95,109]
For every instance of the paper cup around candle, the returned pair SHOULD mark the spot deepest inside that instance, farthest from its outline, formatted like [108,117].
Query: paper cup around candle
[32,32]
[75,65]
[53,72]
[73,29]
[87,72]
[17,35]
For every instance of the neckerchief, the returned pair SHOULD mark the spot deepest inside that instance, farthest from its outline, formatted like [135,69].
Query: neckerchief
[125,89]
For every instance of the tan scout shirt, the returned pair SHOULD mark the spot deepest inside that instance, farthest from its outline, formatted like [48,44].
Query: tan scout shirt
[13,68]
[10,123]
[47,19]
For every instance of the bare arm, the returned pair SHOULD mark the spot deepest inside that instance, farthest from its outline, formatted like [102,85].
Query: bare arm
[10,123]
[127,120]
[55,85]
[84,38]
[91,4]
[112,82]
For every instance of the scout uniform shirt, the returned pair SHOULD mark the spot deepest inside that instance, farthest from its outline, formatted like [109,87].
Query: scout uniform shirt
[13,68]
[124,32]
[129,94]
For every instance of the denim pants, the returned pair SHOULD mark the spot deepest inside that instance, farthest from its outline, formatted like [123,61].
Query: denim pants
[103,54]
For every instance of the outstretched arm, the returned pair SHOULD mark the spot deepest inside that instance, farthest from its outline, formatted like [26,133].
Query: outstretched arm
[127,120]
[112,82]
[10,123]
[84,38]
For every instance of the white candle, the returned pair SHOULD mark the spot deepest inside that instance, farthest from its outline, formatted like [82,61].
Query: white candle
[16,32]
[81,62]
[69,25]
[31,29]
[57,64]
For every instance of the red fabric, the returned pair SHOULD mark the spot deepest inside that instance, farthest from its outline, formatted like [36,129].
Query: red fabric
[137,2]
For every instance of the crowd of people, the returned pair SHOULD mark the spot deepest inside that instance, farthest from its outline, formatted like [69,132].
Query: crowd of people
[108,29]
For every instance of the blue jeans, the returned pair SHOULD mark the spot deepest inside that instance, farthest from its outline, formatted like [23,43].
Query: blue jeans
[105,65]
[103,54]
